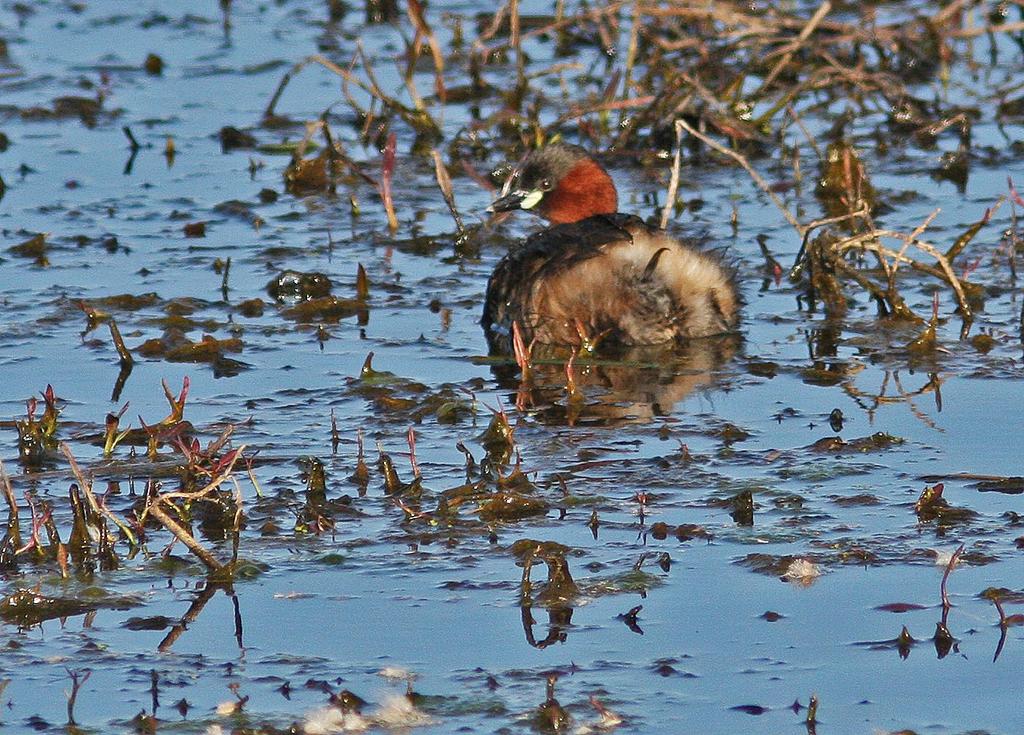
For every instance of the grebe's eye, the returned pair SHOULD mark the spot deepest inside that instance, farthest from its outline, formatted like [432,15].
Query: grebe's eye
[545,184]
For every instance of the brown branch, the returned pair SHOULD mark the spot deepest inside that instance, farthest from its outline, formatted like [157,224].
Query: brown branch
[808,29]
[387,171]
[444,183]
[13,525]
[987,29]
[946,604]
[750,170]
[123,353]
[183,535]
[98,508]
[326,63]
[673,184]
[610,9]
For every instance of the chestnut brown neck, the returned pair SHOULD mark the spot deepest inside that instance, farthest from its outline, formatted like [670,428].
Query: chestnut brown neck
[584,191]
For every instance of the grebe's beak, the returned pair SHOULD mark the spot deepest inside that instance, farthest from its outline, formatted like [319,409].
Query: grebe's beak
[511,200]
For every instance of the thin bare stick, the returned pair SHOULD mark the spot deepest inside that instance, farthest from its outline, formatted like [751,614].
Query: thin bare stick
[236,526]
[8,489]
[965,307]
[566,21]
[123,353]
[808,29]
[515,42]
[444,183]
[252,478]
[410,437]
[183,536]
[749,169]
[98,508]
[13,525]
[493,27]
[814,224]
[946,604]
[961,242]
[387,170]
[918,231]
[987,30]
[869,241]
[634,40]
[577,111]
[673,184]
[78,678]
[410,88]
[807,133]
[345,74]
[948,12]
[423,30]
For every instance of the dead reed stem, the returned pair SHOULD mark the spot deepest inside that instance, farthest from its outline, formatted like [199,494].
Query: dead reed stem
[13,524]
[673,184]
[444,183]
[186,538]
[98,508]
[762,184]
[946,604]
[123,353]
[423,30]
[387,171]
[807,30]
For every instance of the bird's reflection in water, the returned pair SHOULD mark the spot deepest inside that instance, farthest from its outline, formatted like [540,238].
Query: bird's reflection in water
[631,386]
[555,595]
[559,623]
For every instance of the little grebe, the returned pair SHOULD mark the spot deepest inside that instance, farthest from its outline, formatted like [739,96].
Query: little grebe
[596,273]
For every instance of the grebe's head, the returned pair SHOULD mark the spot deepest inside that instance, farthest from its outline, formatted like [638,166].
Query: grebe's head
[560,183]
